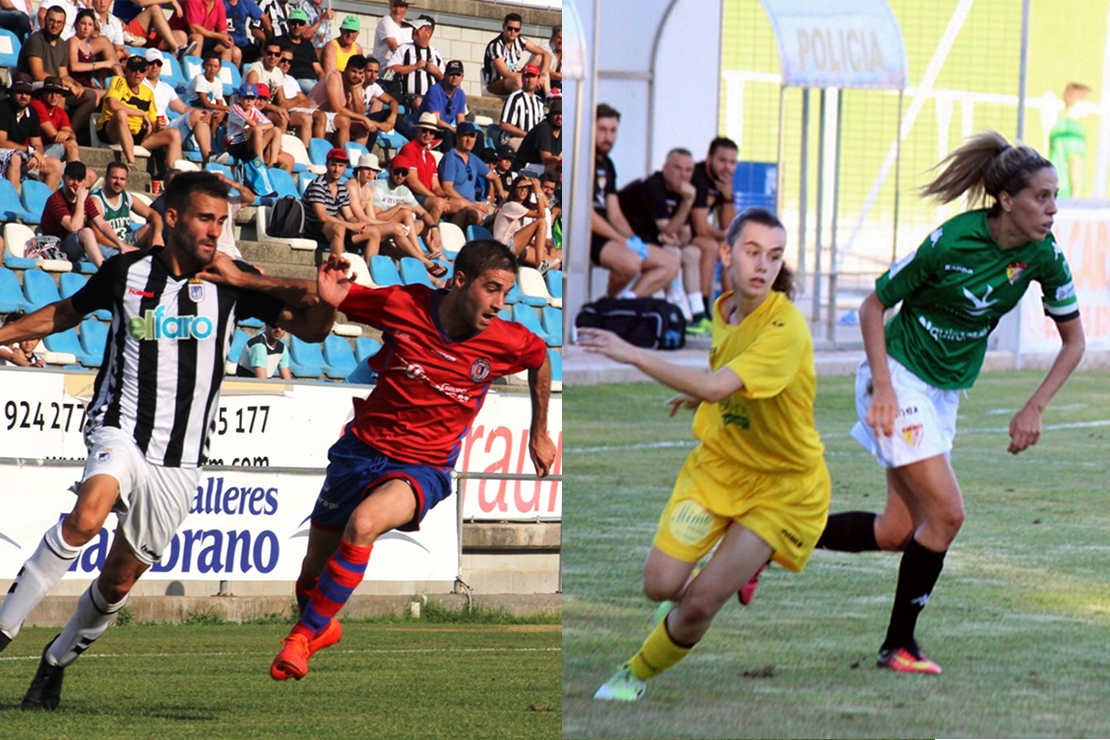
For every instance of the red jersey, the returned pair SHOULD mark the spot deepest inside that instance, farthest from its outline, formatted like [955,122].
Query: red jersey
[57,208]
[430,387]
[421,160]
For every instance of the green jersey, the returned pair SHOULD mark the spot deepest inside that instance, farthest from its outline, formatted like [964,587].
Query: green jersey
[1067,139]
[956,287]
[118,218]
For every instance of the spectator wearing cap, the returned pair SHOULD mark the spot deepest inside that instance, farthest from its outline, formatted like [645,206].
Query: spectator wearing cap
[503,165]
[381,107]
[393,201]
[130,116]
[339,50]
[319,20]
[241,14]
[16,17]
[460,171]
[84,50]
[447,101]
[543,145]
[251,135]
[21,147]
[70,214]
[393,232]
[522,110]
[328,217]
[57,132]
[305,67]
[340,104]
[391,31]
[206,23]
[423,176]
[521,224]
[45,54]
[190,121]
[206,92]
[293,101]
[505,58]
[417,63]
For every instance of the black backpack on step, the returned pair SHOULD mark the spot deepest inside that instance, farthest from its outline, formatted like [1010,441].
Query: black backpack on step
[644,322]
[286,218]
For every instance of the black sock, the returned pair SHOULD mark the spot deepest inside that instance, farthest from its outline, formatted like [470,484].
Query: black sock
[849,531]
[917,575]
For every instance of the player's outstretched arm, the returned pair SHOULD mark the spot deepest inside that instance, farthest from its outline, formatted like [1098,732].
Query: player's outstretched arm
[540,447]
[312,322]
[292,291]
[1025,427]
[49,319]
[692,381]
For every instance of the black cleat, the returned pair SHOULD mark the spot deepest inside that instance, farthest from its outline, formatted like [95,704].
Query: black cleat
[45,692]
[4,640]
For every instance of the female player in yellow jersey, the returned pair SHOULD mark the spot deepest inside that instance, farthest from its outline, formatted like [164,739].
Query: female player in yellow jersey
[757,480]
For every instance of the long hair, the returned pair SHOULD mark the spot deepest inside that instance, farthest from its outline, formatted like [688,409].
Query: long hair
[784,281]
[984,165]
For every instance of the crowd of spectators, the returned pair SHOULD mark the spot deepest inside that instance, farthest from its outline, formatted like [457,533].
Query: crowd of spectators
[93,73]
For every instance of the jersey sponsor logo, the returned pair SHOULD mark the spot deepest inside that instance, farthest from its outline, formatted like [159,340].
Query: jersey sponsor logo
[959,268]
[793,538]
[141,293]
[1014,270]
[935,236]
[897,266]
[1064,292]
[415,372]
[444,355]
[980,306]
[156,325]
[480,370]
[908,411]
[690,523]
[912,434]
[196,290]
[954,335]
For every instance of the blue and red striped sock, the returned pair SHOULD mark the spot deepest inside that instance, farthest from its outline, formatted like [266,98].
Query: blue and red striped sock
[341,576]
[302,589]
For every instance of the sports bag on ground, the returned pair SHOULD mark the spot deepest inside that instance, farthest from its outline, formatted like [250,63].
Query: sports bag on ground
[644,322]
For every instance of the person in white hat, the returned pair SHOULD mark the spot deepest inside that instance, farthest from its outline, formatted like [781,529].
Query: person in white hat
[190,121]
[402,236]
[423,177]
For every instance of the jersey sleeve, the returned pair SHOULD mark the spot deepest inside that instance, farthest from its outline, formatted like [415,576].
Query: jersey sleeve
[366,304]
[769,365]
[254,304]
[1058,289]
[99,291]
[532,350]
[284,361]
[256,356]
[913,271]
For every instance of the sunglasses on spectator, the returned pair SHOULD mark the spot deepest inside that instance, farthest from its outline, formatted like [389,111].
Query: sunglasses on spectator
[296,23]
[400,171]
[273,53]
[285,60]
[512,29]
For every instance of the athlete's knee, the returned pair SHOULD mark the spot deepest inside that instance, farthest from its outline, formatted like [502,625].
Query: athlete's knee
[892,535]
[947,521]
[80,526]
[660,589]
[698,609]
[114,585]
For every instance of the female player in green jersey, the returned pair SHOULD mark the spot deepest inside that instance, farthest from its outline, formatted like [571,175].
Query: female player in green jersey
[962,279]
[757,481]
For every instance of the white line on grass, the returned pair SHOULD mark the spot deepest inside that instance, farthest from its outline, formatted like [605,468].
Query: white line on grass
[227,653]
[691,442]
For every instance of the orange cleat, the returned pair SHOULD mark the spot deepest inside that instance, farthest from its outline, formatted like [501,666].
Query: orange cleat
[904,660]
[326,637]
[292,661]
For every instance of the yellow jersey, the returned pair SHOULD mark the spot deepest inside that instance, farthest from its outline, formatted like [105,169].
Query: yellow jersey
[142,100]
[767,425]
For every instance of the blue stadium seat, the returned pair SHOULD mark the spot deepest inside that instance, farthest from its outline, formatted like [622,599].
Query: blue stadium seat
[553,325]
[39,288]
[493,135]
[306,361]
[223,169]
[514,295]
[475,232]
[318,150]
[192,66]
[67,341]
[284,185]
[238,340]
[176,76]
[366,347]
[528,300]
[413,272]
[70,283]
[305,180]
[354,151]
[11,295]
[11,207]
[35,194]
[230,87]
[85,267]
[391,141]
[251,323]
[94,336]
[9,49]
[383,271]
[556,365]
[554,280]
[339,355]
[527,317]
[505,314]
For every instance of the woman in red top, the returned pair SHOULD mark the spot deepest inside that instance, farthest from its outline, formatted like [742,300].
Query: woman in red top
[83,52]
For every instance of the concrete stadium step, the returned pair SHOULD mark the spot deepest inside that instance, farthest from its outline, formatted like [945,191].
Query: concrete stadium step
[279,259]
[98,159]
[486,105]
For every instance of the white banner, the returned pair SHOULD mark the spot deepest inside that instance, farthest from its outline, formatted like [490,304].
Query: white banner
[292,425]
[250,525]
[1082,231]
[823,44]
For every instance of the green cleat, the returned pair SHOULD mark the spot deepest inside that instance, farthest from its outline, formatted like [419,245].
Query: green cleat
[699,328]
[662,611]
[623,686]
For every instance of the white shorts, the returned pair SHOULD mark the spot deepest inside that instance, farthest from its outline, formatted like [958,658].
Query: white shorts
[153,500]
[926,422]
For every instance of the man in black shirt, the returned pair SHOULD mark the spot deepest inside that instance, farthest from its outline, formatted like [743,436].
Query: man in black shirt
[21,147]
[544,143]
[713,179]
[636,269]
[306,68]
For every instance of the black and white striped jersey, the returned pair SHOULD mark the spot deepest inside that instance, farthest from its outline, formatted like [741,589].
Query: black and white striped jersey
[420,81]
[164,359]
[522,110]
[514,53]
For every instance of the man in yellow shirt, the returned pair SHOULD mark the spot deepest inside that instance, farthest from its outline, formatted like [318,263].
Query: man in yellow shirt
[130,116]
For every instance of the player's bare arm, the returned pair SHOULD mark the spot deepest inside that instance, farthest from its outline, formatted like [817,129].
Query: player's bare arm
[1025,427]
[50,319]
[540,447]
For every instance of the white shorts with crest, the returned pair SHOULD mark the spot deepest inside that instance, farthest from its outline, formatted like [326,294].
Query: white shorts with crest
[926,422]
[153,500]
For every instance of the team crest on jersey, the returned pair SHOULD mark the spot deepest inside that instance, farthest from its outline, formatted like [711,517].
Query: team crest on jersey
[196,290]
[104,456]
[1014,270]
[912,434]
[479,370]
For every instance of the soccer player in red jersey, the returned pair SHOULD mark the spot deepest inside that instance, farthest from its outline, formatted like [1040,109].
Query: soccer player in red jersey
[391,465]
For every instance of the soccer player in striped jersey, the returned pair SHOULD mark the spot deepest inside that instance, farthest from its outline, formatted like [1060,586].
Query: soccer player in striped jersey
[443,348]
[151,411]
[757,482]
[954,289]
